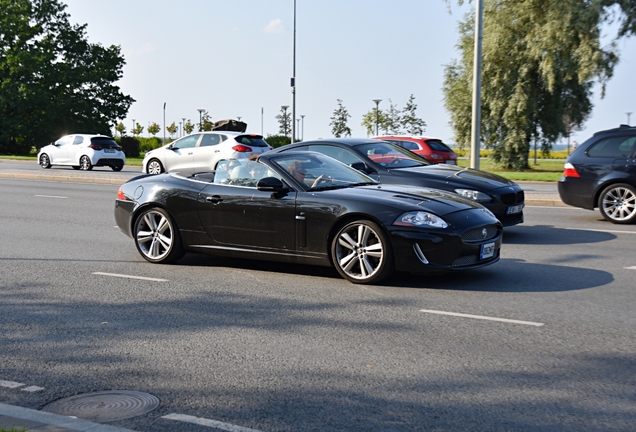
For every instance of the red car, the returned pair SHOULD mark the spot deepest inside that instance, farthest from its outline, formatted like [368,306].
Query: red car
[433,149]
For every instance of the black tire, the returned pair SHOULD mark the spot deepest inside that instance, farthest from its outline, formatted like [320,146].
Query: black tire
[117,168]
[157,236]
[85,163]
[617,203]
[361,252]
[154,167]
[44,161]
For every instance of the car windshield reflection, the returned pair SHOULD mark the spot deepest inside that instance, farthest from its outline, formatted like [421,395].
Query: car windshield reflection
[391,156]
[314,172]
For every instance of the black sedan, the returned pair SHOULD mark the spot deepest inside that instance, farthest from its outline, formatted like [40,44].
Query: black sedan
[392,164]
[304,207]
[601,173]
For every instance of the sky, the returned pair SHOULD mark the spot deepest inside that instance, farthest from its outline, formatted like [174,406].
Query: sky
[236,58]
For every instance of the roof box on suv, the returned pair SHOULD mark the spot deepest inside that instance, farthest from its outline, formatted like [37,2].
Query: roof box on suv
[230,126]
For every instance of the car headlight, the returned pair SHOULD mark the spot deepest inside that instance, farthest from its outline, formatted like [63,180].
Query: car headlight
[473,195]
[421,218]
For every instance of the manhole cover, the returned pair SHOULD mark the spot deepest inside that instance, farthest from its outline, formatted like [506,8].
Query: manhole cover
[105,406]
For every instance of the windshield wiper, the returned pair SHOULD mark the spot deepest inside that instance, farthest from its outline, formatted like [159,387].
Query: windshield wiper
[328,187]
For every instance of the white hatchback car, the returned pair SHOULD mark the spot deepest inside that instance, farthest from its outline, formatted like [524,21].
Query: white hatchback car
[201,151]
[83,152]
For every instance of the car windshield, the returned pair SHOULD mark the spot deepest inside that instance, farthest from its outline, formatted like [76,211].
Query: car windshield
[391,156]
[251,140]
[438,146]
[320,172]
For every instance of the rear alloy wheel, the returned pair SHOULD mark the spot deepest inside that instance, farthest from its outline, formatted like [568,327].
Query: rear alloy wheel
[45,162]
[85,163]
[154,167]
[617,203]
[361,253]
[157,237]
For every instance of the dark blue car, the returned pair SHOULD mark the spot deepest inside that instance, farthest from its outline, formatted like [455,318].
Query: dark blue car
[601,173]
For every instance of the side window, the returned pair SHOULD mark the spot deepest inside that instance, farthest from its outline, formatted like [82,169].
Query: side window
[187,142]
[209,140]
[615,147]
[78,139]
[343,155]
[409,145]
[64,140]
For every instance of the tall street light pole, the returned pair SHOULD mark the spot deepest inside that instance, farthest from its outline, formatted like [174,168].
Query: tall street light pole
[293,80]
[476,125]
[284,107]
[302,122]
[628,115]
[164,123]
[133,129]
[200,113]
[377,107]
[183,130]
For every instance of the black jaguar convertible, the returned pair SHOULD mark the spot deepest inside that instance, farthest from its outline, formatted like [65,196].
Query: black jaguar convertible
[305,207]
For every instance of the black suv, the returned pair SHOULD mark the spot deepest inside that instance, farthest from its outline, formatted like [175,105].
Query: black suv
[601,173]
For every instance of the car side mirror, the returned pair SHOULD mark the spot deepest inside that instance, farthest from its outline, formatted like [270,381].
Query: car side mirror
[361,166]
[270,184]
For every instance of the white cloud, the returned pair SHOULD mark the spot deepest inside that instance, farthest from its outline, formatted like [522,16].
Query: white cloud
[275,26]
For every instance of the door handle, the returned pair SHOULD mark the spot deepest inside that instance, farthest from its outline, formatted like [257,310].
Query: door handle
[214,199]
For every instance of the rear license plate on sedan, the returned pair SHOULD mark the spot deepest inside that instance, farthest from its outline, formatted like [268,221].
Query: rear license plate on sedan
[514,209]
[487,250]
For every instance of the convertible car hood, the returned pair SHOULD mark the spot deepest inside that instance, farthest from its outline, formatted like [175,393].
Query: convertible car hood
[410,198]
[457,175]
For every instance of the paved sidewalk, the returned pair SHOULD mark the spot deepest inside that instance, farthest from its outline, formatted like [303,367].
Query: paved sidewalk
[33,420]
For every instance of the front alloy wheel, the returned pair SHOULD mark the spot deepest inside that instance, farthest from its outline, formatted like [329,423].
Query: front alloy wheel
[154,167]
[361,252]
[85,163]
[45,162]
[157,237]
[617,203]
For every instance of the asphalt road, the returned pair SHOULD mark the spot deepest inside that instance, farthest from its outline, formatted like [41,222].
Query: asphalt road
[544,339]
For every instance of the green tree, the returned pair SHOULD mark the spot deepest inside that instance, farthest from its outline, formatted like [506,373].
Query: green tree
[284,122]
[540,61]
[172,129]
[339,119]
[206,121]
[412,124]
[392,121]
[52,80]
[137,130]
[121,129]
[188,127]
[369,121]
[154,129]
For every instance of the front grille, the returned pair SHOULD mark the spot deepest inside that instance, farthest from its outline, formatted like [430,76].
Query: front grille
[477,234]
[513,198]
[465,260]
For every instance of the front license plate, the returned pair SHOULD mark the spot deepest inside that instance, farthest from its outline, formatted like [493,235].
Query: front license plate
[514,209]
[487,250]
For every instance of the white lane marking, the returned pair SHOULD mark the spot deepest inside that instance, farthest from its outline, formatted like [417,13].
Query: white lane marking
[482,317]
[207,422]
[50,196]
[631,268]
[130,277]
[10,384]
[32,389]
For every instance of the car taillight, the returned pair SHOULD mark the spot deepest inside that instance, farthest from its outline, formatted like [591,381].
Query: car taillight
[242,148]
[94,147]
[570,171]
[120,195]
